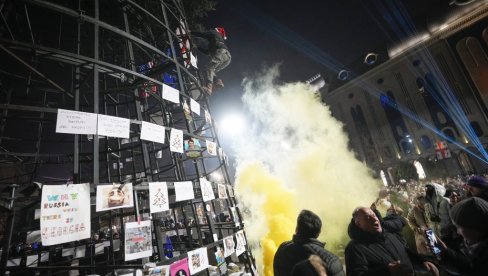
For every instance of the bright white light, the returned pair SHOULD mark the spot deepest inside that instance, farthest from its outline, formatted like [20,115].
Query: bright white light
[233,124]
[285,145]
[420,169]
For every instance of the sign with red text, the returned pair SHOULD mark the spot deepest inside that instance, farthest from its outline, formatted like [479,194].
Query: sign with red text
[65,213]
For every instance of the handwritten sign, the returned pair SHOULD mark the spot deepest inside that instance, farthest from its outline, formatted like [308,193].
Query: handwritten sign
[158,197]
[176,140]
[113,126]
[195,106]
[153,132]
[171,94]
[65,213]
[76,122]
[184,190]
[207,191]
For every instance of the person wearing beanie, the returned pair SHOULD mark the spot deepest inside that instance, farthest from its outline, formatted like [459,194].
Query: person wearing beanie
[470,216]
[478,186]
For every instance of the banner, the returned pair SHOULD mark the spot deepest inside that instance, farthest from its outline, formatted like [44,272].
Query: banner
[65,213]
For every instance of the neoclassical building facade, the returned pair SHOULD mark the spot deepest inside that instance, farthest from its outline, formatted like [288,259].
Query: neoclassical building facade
[427,103]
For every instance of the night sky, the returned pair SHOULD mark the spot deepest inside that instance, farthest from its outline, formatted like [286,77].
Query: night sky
[263,33]
[343,30]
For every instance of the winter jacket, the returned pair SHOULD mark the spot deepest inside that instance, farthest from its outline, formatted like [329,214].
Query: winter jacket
[370,254]
[298,249]
[417,218]
[215,41]
[393,223]
[471,261]
[440,206]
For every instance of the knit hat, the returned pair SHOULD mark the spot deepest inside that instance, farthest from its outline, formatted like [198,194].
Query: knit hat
[471,213]
[478,182]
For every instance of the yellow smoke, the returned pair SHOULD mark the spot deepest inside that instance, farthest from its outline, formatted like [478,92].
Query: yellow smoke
[295,158]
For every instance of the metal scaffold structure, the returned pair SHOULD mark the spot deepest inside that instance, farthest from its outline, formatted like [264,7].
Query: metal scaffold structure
[128,59]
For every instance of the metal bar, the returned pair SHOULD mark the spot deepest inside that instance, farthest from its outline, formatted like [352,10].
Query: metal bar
[76,146]
[29,24]
[96,145]
[6,24]
[33,69]
[104,25]
[145,154]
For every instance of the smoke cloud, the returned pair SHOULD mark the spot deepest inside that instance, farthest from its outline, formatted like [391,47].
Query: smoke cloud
[295,157]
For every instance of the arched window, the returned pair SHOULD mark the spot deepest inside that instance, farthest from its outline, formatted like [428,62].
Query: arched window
[406,147]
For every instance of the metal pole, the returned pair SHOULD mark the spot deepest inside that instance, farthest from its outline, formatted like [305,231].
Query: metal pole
[96,145]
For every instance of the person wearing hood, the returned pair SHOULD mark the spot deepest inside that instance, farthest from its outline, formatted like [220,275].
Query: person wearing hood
[470,216]
[373,251]
[304,244]
[437,207]
[478,186]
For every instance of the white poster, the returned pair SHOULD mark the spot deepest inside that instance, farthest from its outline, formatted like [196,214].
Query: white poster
[208,118]
[153,132]
[138,240]
[243,238]
[235,218]
[230,190]
[158,197]
[206,188]
[171,94]
[114,196]
[176,140]
[193,60]
[65,213]
[229,246]
[211,147]
[113,126]
[184,190]
[197,260]
[222,191]
[195,106]
[158,271]
[76,122]
[240,245]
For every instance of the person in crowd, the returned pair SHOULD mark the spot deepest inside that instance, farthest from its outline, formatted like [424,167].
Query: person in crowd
[219,55]
[419,222]
[393,222]
[477,186]
[437,207]
[470,217]
[304,244]
[373,251]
